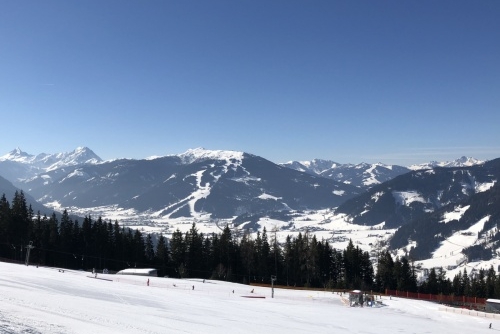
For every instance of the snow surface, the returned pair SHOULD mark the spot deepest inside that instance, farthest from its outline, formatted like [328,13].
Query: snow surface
[49,300]
[455,214]
[377,196]
[371,177]
[482,187]
[267,196]
[408,197]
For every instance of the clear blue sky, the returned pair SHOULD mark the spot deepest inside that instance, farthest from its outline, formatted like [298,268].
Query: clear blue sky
[351,81]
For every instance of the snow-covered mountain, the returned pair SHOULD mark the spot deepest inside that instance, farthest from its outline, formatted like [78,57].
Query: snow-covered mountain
[198,182]
[469,228]
[460,162]
[18,165]
[363,175]
[364,202]
[409,196]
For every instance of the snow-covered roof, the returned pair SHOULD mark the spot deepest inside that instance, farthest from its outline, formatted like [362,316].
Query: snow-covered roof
[137,271]
[495,301]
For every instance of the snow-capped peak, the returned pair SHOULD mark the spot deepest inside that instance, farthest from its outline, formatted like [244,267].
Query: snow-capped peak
[316,166]
[81,155]
[467,161]
[17,155]
[201,154]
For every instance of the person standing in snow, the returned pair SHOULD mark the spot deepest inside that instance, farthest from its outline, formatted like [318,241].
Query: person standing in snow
[148,282]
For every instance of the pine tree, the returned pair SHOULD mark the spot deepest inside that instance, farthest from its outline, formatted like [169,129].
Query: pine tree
[352,265]
[118,242]
[5,225]
[325,264]
[263,255]
[466,284]
[490,283]
[66,242]
[194,245]
[207,256]
[20,220]
[406,280]
[276,257]
[248,256]
[162,256]
[288,260]
[227,251]
[178,252]
[139,249]
[367,273]
[337,269]
[444,283]
[149,251]
[384,279]
[457,285]
[432,282]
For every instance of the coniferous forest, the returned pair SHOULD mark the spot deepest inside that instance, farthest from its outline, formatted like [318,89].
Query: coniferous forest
[301,261]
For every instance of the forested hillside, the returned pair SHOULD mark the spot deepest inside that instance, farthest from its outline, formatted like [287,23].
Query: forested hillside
[300,261]
[429,230]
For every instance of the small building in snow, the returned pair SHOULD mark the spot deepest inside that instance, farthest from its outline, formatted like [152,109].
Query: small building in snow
[355,298]
[139,272]
[493,305]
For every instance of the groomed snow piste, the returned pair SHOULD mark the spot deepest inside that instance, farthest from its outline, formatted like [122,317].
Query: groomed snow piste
[49,300]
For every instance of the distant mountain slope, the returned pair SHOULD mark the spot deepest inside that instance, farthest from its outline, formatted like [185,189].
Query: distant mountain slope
[219,183]
[18,165]
[408,196]
[8,189]
[361,175]
[479,213]
[364,175]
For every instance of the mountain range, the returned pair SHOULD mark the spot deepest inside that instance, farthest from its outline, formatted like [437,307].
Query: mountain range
[222,183]
[17,165]
[364,175]
[335,201]
[226,184]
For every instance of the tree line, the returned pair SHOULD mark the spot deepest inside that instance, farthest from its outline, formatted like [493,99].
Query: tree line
[301,261]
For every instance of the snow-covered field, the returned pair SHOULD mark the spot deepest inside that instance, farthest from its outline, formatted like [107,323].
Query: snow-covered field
[46,300]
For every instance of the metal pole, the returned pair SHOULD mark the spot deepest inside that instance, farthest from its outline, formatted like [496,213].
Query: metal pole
[273,278]
[28,250]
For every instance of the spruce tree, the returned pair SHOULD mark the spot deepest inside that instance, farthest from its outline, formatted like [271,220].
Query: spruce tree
[162,256]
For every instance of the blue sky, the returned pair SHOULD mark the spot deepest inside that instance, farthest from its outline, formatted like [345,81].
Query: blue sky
[398,82]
